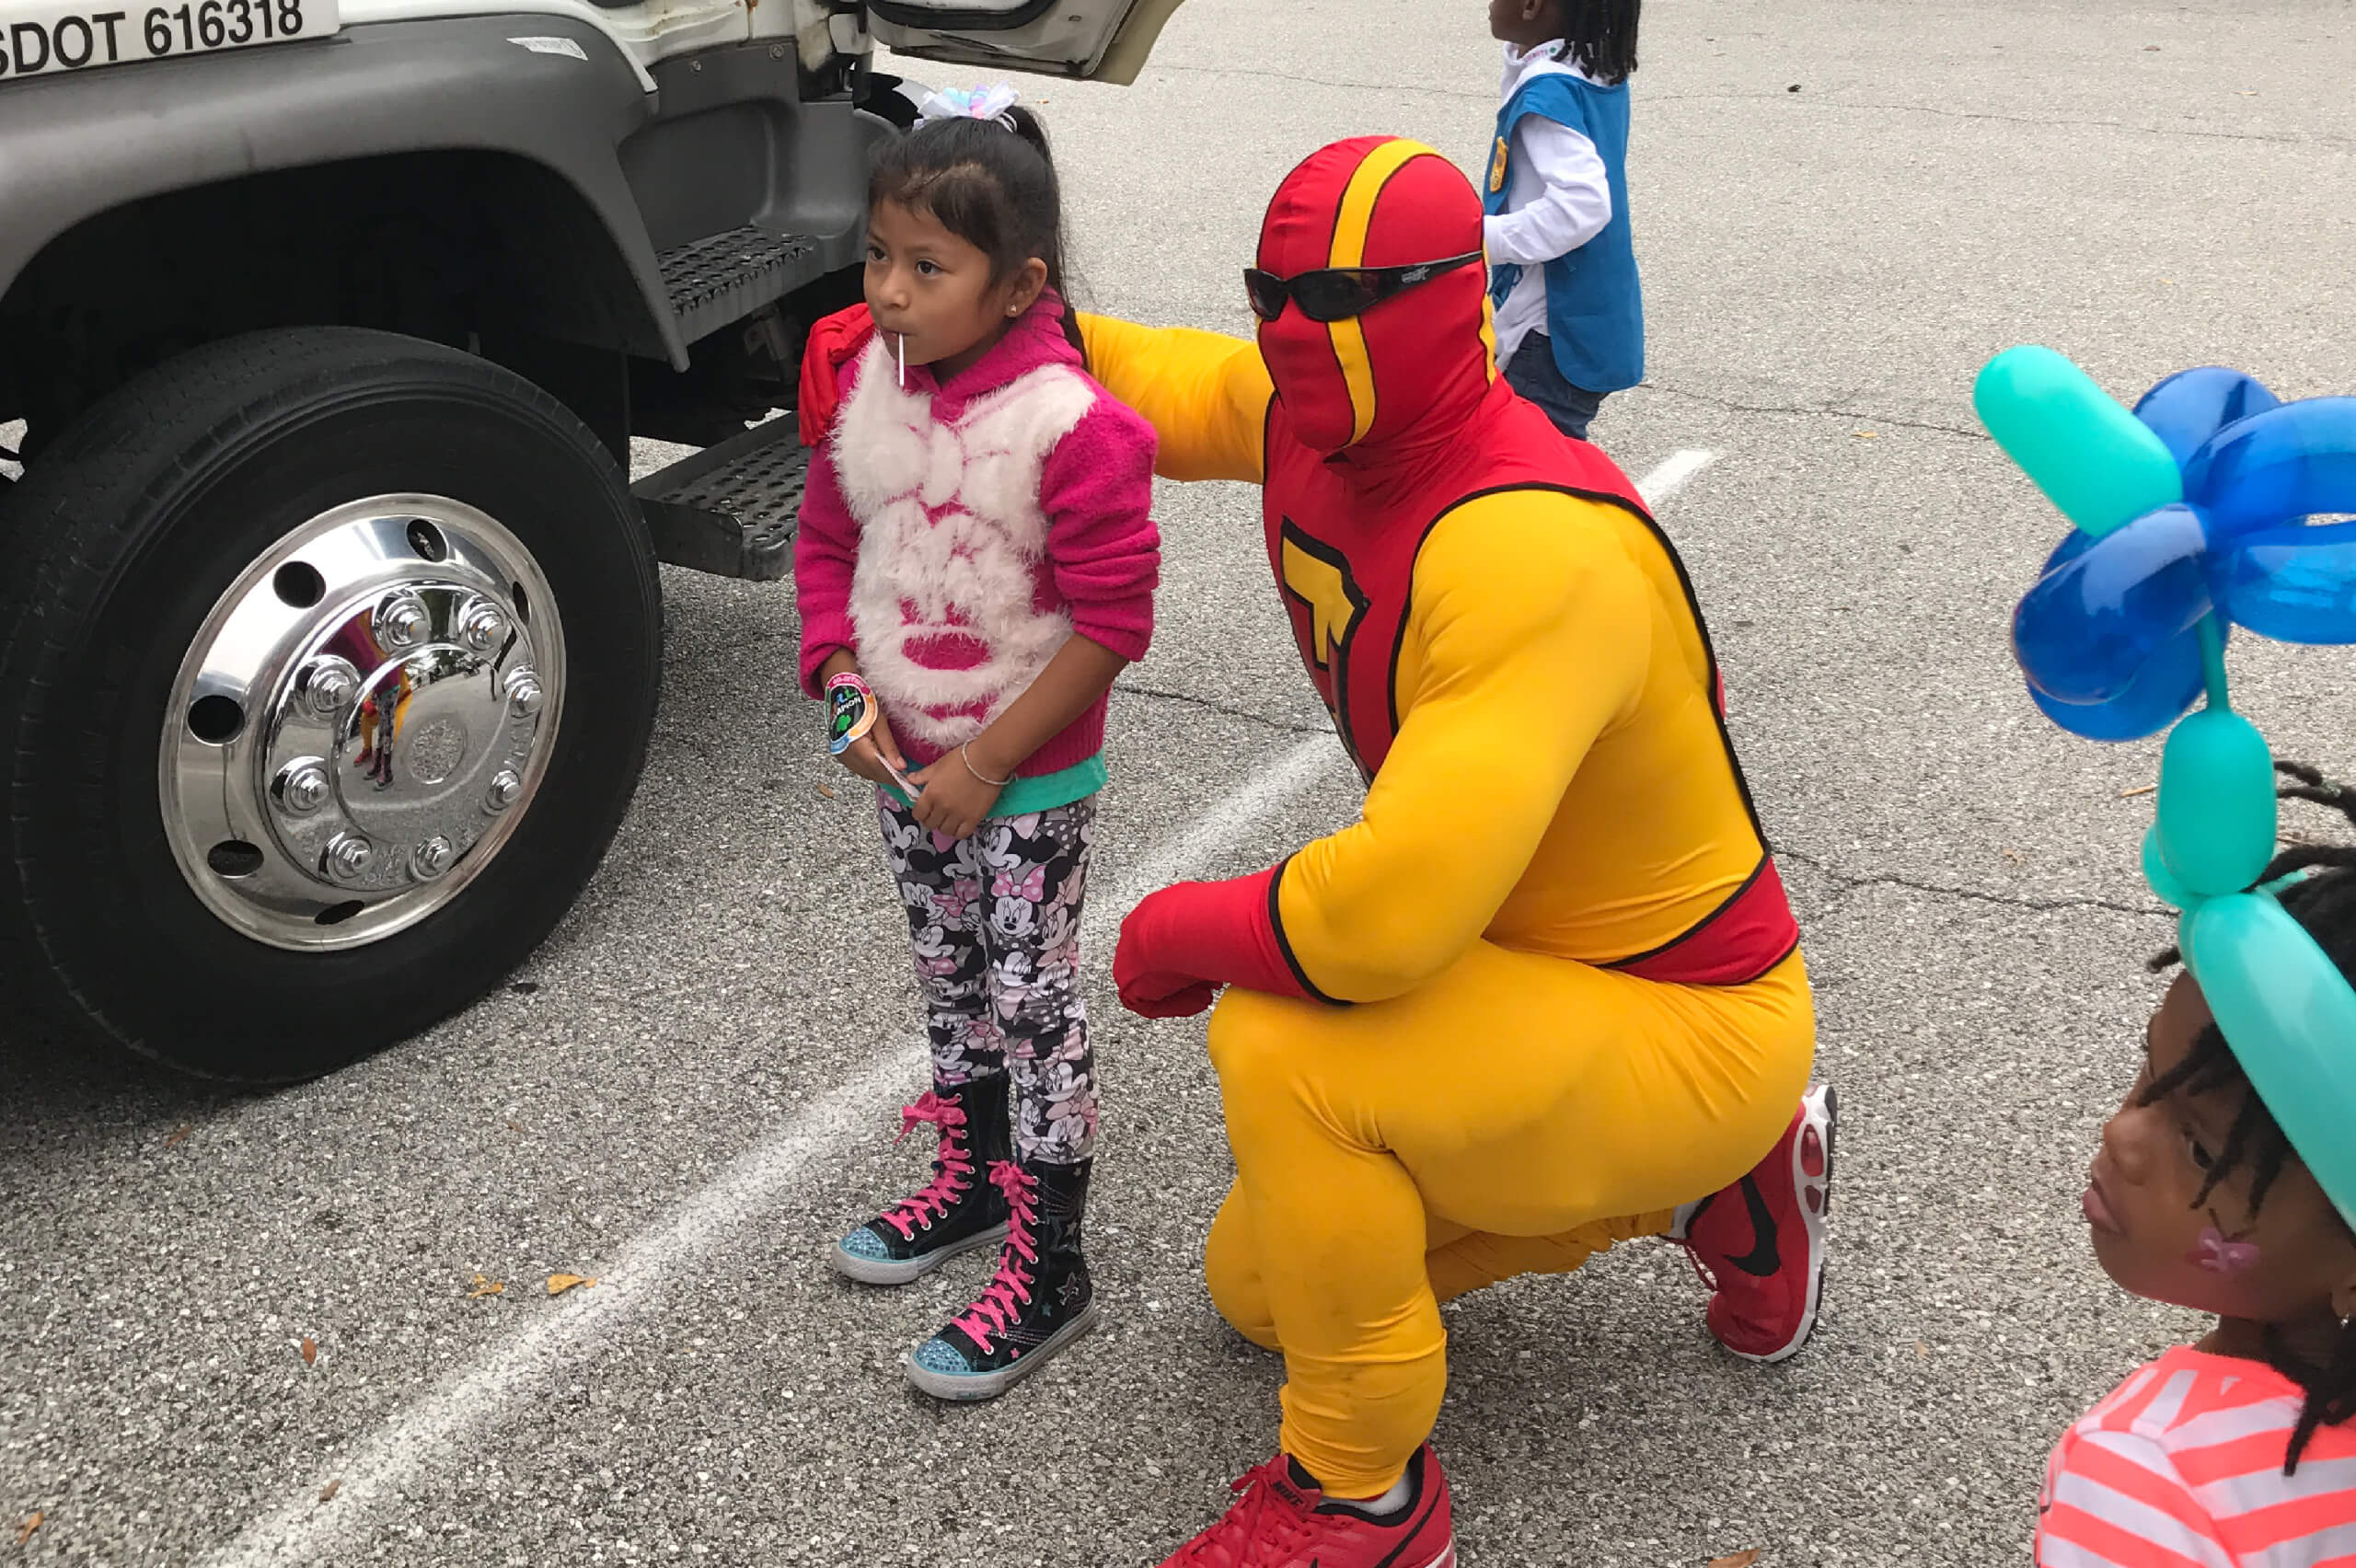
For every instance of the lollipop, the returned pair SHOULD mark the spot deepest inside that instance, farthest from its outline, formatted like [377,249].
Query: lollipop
[851,711]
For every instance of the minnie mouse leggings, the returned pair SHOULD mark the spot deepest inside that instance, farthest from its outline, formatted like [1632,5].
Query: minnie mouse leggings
[995,920]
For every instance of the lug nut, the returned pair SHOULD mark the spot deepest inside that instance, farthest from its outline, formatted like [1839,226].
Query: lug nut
[349,857]
[431,859]
[484,626]
[524,691]
[506,786]
[328,686]
[303,787]
[400,621]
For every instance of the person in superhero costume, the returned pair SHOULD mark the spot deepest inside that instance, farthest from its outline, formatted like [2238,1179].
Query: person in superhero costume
[1546,994]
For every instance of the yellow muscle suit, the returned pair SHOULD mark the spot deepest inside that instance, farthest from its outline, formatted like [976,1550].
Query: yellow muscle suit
[1546,989]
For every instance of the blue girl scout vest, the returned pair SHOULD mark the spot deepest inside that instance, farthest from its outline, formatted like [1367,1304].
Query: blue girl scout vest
[1594,310]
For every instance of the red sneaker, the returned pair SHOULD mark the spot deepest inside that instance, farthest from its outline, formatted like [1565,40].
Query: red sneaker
[1759,1245]
[1281,1520]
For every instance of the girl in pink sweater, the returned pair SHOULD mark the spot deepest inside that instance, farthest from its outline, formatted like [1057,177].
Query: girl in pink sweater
[977,548]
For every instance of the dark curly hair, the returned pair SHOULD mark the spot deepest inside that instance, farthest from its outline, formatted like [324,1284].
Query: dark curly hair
[2324,902]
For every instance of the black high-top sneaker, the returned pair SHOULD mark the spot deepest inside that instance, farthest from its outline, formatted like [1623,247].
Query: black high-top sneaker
[1040,1300]
[958,1211]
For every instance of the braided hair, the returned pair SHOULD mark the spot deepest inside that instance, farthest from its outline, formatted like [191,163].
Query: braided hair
[2324,902]
[1602,37]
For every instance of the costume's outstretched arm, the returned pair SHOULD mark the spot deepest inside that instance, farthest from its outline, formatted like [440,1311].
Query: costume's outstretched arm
[1205,395]
[1536,630]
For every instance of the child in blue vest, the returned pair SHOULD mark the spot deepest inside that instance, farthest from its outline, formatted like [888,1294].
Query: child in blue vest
[1570,316]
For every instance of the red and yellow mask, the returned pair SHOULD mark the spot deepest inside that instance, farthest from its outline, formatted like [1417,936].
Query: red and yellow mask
[1412,364]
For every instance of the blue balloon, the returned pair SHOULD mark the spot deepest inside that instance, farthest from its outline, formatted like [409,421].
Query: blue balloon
[2191,405]
[2272,467]
[2088,626]
[2294,585]
[2164,689]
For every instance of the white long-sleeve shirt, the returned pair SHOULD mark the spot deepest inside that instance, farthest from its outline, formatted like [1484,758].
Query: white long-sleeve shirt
[1557,198]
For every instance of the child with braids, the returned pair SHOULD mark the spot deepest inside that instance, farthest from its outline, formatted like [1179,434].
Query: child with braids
[2237,1449]
[1570,313]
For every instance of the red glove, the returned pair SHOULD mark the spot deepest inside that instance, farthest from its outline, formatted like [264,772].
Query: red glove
[834,341]
[1182,943]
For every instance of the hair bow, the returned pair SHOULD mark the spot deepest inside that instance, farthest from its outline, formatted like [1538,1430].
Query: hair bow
[977,103]
[2191,516]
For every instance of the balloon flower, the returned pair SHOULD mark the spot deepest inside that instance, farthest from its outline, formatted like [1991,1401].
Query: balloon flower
[2191,515]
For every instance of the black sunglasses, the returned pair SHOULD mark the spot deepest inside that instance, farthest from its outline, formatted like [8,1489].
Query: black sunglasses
[1335,294]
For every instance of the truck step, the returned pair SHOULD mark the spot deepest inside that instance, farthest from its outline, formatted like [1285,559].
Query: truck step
[719,280]
[730,510]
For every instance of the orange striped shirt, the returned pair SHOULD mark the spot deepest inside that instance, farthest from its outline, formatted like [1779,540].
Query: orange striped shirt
[2181,1467]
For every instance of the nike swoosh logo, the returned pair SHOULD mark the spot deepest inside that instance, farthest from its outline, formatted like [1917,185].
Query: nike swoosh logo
[1431,1505]
[1762,1260]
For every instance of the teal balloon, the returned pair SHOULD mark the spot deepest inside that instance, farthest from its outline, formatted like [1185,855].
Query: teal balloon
[2217,808]
[2097,462]
[2170,892]
[2289,1017]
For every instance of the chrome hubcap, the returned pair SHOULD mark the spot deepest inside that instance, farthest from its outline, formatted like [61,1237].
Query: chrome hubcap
[361,722]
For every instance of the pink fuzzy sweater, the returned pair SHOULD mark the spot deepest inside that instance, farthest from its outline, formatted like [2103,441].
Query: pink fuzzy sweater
[954,535]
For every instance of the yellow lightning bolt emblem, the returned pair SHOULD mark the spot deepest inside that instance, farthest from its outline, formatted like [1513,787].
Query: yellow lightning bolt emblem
[1319,583]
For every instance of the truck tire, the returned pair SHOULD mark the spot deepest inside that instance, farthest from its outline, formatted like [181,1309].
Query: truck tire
[328,664]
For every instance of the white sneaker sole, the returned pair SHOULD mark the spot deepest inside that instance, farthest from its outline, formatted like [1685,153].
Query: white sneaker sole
[1823,1108]
[885,1271]
[969,1388]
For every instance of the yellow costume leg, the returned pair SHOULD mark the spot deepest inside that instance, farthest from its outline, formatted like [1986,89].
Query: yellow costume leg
[1534,1100]
[1459,1260]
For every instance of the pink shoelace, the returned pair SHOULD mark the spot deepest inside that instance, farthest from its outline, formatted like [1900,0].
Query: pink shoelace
[1009,1290]
[953,1170]
[1262,1527]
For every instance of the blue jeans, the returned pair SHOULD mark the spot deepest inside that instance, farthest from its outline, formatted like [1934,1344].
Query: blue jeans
[1534,374]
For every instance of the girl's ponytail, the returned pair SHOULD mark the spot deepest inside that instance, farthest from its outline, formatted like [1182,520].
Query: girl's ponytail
[1032,130]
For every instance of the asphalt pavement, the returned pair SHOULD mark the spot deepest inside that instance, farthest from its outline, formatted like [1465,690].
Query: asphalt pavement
[246,1330]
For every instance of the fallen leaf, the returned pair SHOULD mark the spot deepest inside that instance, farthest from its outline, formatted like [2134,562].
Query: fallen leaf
[560,1284]
[1866,434]
[1735,1560]
[514,1126]
[486,1287]
[310,1352]
[326,1493]
[1792,89]
[2014,855]
[2151,48]
[179,1135]
[1922,1351]
[25,1531]
[2138,789]
[823,789]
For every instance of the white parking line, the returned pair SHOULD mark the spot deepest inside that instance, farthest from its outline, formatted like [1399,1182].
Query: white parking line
[1670,478]
[734,1205]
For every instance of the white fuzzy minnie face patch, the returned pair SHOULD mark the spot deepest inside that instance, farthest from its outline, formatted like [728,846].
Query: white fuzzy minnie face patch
[944,593]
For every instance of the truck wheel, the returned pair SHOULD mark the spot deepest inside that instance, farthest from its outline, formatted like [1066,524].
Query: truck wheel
[328,663]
